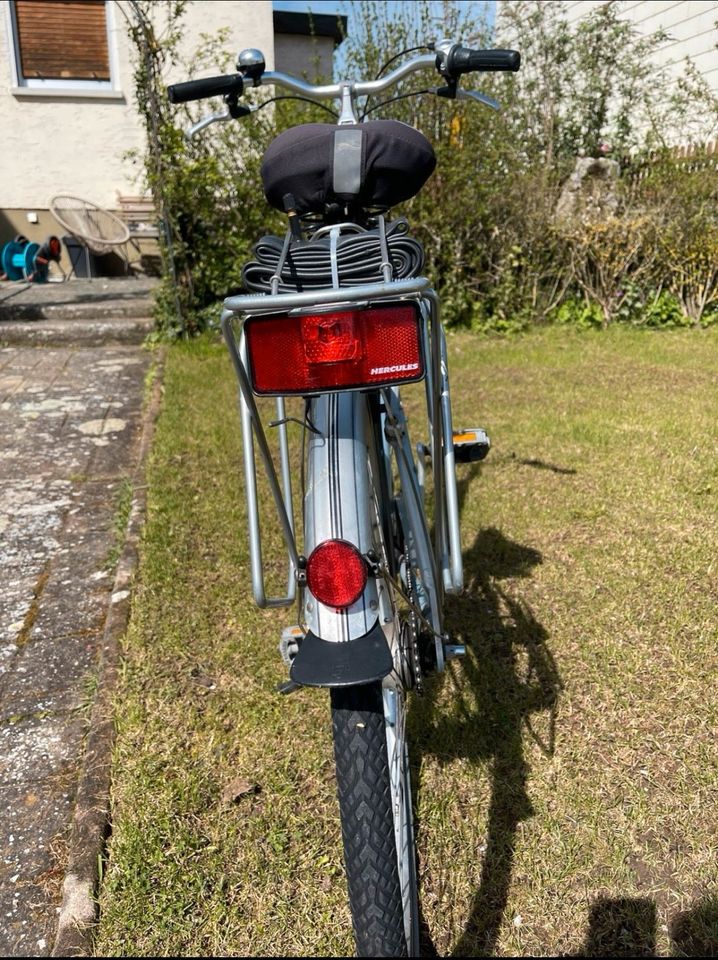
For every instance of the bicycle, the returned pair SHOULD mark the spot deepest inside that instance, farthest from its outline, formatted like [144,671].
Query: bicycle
[341,302]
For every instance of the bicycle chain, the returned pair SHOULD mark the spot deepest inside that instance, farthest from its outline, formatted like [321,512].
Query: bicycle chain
[413,629]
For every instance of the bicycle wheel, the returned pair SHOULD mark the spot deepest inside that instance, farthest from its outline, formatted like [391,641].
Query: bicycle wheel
[375,807]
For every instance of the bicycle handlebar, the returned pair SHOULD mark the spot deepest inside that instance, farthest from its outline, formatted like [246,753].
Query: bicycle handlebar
[451,60]
[464,60]
[206,87]
[334,91]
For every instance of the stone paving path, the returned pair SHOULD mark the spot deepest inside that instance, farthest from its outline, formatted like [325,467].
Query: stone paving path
[70,422]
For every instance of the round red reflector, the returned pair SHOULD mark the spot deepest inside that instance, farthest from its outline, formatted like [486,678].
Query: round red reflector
[336,573]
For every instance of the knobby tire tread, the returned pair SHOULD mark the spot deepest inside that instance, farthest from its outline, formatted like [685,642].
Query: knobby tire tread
[365,805]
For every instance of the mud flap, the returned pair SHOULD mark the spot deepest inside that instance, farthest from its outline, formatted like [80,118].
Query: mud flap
[325,663]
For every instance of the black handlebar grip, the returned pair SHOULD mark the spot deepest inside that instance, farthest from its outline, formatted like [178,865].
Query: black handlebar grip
[206,87]
[464,60]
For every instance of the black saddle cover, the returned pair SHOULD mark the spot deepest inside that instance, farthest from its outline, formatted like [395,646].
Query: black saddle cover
[375,164]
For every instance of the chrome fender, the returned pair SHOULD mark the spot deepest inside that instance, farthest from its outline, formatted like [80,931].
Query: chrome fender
[339,504]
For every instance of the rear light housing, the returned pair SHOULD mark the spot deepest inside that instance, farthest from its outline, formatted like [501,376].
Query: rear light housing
[336,574]
[335,349]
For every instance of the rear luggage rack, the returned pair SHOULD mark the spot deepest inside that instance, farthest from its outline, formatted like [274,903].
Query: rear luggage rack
[236,311]
[345,255]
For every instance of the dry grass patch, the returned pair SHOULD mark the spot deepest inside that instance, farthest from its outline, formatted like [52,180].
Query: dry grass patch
[565,773]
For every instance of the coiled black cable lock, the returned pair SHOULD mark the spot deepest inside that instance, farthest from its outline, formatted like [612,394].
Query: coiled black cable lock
[359,259]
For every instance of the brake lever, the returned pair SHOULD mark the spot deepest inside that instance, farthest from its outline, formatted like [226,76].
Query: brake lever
[479,97]
[205,122]
[454,92]
[233,112]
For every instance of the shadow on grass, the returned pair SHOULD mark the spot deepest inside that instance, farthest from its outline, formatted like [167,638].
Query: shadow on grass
[507,677]
[552,467]
[621,927]
[694,933]
[627,927]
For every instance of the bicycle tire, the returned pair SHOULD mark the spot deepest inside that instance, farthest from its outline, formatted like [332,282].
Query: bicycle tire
[384,910]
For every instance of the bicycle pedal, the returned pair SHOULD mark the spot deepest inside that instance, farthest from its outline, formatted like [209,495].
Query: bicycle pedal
[289,644]
[471,445]
[453,651]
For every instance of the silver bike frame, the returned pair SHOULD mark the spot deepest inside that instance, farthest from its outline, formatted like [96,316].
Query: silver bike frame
[342,451]
[345,413]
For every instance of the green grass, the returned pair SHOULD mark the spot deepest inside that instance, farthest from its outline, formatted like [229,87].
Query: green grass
[566,771]
[123,506]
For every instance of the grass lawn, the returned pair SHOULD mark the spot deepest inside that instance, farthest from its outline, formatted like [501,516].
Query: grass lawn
[566,771]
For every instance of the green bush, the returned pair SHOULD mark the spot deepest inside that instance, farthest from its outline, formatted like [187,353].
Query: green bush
[487,217]
[580,313]
[660,310]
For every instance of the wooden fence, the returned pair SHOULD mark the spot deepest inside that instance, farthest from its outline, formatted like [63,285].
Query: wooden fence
[690,157]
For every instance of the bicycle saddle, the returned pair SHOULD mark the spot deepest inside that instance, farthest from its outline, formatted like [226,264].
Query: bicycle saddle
[375,164]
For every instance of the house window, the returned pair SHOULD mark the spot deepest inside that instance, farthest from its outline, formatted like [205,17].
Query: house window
[61,43]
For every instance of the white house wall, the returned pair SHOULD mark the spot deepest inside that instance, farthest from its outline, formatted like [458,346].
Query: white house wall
[691,25]
[68,144]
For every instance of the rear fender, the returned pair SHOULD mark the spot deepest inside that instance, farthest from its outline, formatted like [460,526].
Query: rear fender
[340,504]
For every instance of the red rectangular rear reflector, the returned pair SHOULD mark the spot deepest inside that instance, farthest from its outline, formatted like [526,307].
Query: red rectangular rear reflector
[336,350]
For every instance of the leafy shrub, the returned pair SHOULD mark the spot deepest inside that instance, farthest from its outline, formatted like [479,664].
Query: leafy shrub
[660,309]
[487,217]
[580,313]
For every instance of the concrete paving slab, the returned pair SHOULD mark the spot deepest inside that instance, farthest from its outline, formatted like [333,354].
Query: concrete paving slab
[54,676]
[37,748]
[77,290]
[66,408]
[92,505]
[32,859]
[31,518]
[70,423]
[88,312]
[124,327]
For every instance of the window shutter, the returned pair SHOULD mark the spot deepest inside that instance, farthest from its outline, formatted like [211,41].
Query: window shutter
[62,39]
